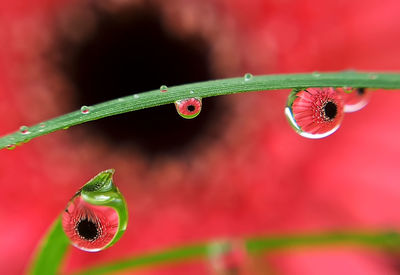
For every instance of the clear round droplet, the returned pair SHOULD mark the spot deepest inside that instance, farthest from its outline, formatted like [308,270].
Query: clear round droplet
[163,89]
[188,108]
[248,76]
[315,112]
[354,98]
[24,130]
[85,110]
[89,227]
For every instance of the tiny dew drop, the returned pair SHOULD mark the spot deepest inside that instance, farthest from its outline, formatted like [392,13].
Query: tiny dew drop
[163,89]
[315,112]
[41,127]
[24,130]
[248,77]
[354,98]
[136,96]
[316,74]
[188,108]
[11,146]
[96,216]
[191,92]
[85,110]
[228,257]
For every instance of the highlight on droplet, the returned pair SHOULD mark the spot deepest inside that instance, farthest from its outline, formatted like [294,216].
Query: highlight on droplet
[315,112]
[188,108]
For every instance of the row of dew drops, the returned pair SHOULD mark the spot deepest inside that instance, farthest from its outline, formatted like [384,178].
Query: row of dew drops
[352,99]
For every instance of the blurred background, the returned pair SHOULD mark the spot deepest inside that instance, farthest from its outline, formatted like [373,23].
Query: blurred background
[238,169]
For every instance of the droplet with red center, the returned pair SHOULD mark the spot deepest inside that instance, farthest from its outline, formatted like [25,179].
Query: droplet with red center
[315,112]
[96,217]
[188,108]
[354,98]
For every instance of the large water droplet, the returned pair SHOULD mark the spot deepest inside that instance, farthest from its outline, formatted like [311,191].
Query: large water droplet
[354,98]
[248,76]
[85,110]
[188,108]
[315,112]
[163,89]
[92,219]
[24,130]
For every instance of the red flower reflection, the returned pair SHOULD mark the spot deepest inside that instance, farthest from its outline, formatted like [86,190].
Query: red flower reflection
[89,227]
[317,111]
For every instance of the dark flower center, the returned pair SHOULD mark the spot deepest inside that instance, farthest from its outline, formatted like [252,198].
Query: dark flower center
[330,110]
[87,229]
[191,108]
[361,91]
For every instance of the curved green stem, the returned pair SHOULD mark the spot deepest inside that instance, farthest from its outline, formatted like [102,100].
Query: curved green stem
[202,90]
[51,251]
[256,245]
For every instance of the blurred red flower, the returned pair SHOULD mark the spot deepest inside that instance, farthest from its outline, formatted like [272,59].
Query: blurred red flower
[257,177]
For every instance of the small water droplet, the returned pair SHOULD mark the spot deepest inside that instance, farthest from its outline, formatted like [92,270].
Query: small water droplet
[41,127]
[191,92]
[136,96]
[373,76]
[85,110]
[315,112]
[316,74]
[24,130]
[163,89]
[121,99]
[248,77]
[189,107]
[355,99]
[228,257]
[91,224]
[11,146]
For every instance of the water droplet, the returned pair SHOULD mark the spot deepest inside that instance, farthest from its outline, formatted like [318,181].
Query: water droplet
[11,146]
[228,257]
[316,74]
[136,96]
[41,127]
[163,89]
[315,112]
[355,99]
[188,108]
[85,110]
[373,76]
[89,221]
[191,92]
[121,99]
[248,77]
[24,130]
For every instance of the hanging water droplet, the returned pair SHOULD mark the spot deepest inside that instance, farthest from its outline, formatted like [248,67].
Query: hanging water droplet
[96,216]
[163,89]
[354,99]
[24,130]
[11,146]
[135,96]
[248,77]
[85,110]
[188,108]
[315,112]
